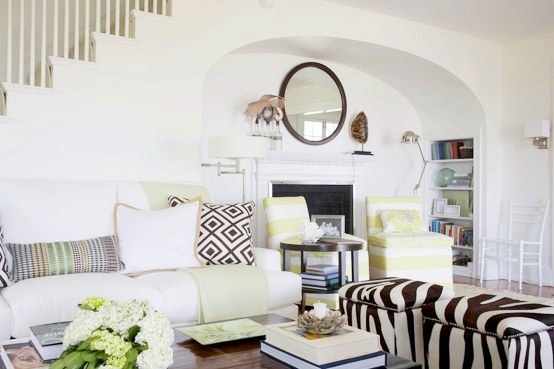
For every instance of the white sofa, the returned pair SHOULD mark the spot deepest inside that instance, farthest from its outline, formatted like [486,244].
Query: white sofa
[48,211]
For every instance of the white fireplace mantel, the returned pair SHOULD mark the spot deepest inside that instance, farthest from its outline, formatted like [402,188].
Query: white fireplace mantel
[287,167]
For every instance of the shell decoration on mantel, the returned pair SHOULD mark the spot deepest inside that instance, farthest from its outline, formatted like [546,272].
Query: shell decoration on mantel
[359,128]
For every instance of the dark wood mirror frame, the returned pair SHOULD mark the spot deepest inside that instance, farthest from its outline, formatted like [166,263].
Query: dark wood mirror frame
[334,77]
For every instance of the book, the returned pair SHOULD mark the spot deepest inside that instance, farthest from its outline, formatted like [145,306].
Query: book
[322,268]
[21,354]
[375,360]
[325,283]
[319,277]
[47,339]
[346,343]
[332,287]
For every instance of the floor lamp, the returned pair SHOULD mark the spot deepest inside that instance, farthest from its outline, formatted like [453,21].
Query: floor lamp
[236,148]
[412,138]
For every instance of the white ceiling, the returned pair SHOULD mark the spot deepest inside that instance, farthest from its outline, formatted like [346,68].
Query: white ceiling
[495,20]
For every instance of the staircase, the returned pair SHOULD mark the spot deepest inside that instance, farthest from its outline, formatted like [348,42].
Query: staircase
[59,52]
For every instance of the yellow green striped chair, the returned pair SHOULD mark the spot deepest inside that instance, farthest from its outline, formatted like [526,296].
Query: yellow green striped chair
[283,215]
[424,256]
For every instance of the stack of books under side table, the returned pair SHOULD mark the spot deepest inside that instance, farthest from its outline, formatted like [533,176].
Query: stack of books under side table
[321,277]
[349,348]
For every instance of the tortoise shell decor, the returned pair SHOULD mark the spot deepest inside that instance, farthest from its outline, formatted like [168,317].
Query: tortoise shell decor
[359,129]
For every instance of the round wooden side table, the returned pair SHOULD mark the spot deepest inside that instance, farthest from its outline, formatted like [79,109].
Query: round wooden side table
[338,245]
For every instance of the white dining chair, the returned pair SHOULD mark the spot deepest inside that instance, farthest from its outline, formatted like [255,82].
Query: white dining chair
[525,250]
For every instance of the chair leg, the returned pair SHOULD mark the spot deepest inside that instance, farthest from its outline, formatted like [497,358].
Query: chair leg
[510,264]
[482,260]
[540,265]
[520,259]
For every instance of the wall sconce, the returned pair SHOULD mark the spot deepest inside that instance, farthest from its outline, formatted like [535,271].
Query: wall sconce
[539,131]
[412,138]
[235,148]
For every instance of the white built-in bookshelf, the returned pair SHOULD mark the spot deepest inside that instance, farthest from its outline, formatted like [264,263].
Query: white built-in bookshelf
[453,174]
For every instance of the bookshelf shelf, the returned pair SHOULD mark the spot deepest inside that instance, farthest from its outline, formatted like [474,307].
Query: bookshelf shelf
[451,151]
[451,188]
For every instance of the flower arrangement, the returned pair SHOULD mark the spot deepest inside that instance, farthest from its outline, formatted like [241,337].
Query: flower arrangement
[108,334]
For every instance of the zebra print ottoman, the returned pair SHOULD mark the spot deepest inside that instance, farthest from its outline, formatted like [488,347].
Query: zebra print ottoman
[489,332]
[391,308]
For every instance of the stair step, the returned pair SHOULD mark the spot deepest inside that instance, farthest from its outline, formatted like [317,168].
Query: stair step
[4,119]
[28,101]
[152,28]
[113,51]
[135,14]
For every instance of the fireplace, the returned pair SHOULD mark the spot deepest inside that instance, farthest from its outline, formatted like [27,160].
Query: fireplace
[324,199]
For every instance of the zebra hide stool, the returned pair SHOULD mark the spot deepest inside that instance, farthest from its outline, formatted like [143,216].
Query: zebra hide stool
[489,332]
[391,308]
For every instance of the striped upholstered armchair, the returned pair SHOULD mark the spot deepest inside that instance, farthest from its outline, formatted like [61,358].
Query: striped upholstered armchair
[283,215]
[418,255]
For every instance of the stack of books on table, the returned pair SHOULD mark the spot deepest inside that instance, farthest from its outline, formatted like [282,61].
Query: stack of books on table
[349,348]
[322,277]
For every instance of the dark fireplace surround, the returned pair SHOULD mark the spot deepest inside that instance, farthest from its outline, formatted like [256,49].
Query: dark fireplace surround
[322,199]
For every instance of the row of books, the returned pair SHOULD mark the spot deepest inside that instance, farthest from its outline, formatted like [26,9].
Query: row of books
[323,277]
[349,348]
[44,346]
[446,150]
[462,235]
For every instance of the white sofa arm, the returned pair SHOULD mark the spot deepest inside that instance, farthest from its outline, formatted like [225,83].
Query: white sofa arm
[5,320]
[267,259]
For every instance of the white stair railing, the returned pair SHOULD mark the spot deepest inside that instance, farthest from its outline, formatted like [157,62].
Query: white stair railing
[37,29]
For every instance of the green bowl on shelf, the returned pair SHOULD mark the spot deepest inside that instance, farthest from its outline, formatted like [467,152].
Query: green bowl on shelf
[442,177]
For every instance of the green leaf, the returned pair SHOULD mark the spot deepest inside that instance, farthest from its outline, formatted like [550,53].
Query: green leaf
[133,331]
[85,345]
[74,360]
[58,364]
[131,355]
[85,307]
[89,356]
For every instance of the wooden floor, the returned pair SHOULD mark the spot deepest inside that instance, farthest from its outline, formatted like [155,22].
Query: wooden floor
[502,284]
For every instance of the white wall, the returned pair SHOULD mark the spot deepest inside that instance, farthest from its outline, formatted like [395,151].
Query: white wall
[394,169]
[528,95]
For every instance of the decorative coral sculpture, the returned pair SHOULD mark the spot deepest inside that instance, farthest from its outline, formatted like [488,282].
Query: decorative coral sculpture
[331,322]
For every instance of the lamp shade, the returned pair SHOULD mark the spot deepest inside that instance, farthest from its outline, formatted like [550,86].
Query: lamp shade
[536,128]
[237,147]
[409,137]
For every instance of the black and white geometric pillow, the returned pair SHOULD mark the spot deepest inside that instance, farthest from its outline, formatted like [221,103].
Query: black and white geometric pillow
[225,232]
[4,276]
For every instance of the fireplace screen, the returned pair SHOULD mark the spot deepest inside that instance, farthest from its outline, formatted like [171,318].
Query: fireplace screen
[322,199]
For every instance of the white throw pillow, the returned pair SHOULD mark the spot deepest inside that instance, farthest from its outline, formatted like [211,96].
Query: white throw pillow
[158,239]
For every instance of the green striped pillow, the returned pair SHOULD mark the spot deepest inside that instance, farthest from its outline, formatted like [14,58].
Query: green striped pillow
[96,255]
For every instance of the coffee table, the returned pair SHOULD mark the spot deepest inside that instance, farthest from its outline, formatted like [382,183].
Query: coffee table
[189,354]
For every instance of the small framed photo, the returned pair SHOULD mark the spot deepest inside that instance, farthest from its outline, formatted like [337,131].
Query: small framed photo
[332,225]
[439,206]
[452,210]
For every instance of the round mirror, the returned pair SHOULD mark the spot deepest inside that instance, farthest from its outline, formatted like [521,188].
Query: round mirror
[315,103]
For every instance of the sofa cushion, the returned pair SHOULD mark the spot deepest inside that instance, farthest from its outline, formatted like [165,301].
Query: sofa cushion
[49,210]
[285,288]
[225,232]
[55,298]
[158,239]
[34,260]
[396,294]
[178,289]
[402,239]
[492,315]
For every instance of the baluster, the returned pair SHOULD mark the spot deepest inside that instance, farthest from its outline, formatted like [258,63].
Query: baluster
[21,41]
[137,5]
[66,30]
[76,32]
[86,45]
[43,48]
[108,17]
[98,15]
[155,6]
[146,6]
[117,4]
[164,7]
[55,30]
[9,45]
[32,44]
[127,18]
